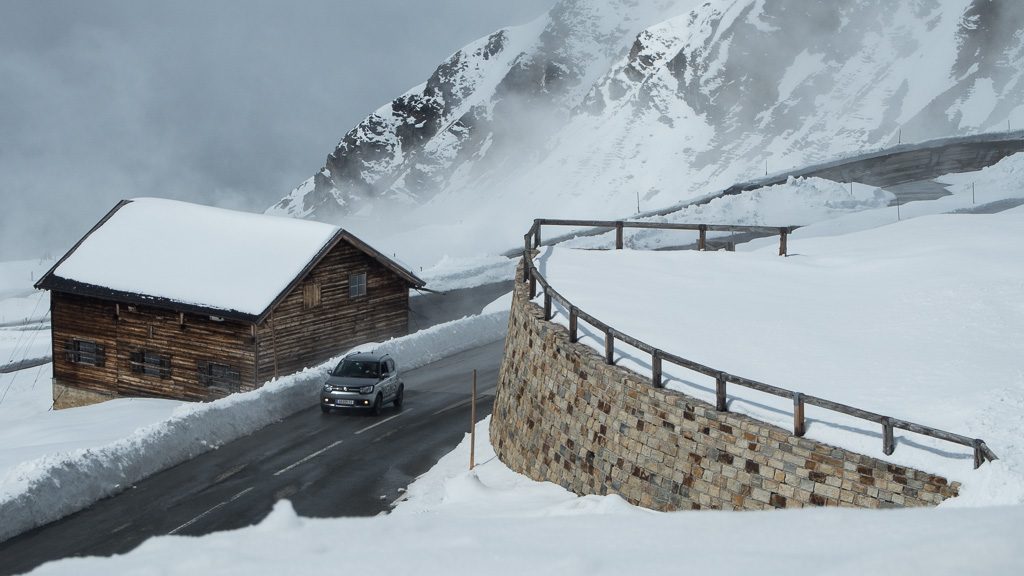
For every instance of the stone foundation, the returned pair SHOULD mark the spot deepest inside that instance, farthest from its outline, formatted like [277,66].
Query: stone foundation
[562,415]
[68,397]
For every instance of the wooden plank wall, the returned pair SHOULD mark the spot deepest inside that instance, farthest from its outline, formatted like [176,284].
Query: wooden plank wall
[307,336]
[161,331]
[85,319]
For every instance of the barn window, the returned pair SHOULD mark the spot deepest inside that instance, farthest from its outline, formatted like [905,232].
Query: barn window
[150,363]
[310,295]
[222,376]
[357,285]
[84,352]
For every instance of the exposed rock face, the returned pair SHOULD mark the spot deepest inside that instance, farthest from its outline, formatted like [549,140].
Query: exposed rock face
[596,103]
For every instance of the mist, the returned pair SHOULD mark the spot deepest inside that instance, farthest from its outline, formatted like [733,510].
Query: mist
[231,103]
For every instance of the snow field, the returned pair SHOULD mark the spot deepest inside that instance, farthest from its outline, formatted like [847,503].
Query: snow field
[56,463]
[23,310]
[919,320]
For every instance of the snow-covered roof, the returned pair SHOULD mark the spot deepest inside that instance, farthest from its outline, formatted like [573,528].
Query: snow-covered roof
[210,259]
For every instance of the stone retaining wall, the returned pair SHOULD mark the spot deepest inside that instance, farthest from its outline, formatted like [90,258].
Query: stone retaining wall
[562,415]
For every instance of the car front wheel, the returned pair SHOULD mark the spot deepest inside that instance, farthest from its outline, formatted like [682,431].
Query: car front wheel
[378,403]
[400,397]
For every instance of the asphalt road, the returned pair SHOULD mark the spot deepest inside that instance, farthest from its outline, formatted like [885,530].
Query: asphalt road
[426,310]
[338,464]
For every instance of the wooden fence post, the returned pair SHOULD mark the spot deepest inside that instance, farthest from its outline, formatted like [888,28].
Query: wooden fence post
[547,305]
[526,258]
[798,414]
[533,286]
[979,456]
[656,369]
[702,242]
[720,404]
[536,236]
[888,442]
[472,425]
[609,346]
[618,235]
[783,233]
[573,324]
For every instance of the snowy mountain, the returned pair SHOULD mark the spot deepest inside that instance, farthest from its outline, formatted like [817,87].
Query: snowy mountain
[597,107]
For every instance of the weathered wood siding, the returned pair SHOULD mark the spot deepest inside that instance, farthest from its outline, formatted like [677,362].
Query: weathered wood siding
[85,319]
[295,336]
[303,336]
[198,339]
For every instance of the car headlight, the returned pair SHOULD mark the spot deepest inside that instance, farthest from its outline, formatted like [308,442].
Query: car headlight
[366,389]
[328,388]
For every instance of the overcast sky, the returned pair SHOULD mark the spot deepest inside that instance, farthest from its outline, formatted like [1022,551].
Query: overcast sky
[230,103]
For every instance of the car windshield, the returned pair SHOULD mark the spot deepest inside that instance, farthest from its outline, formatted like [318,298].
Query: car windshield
[357,369]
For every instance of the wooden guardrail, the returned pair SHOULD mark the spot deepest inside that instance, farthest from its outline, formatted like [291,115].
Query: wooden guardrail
[533,276]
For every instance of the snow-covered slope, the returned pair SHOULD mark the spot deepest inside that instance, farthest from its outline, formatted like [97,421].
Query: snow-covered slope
[599,106]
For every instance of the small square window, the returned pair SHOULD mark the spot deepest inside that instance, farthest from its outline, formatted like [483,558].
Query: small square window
[84,352]
[220,376]
[310,295]
[357,285]
[150,363]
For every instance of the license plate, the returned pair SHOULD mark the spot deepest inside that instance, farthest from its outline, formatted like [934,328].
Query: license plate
[345,402]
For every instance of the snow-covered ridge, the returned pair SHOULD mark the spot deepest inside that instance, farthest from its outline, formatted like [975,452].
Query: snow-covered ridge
[597,103]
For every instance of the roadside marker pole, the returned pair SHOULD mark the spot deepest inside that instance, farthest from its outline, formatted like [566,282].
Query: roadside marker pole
[472,425]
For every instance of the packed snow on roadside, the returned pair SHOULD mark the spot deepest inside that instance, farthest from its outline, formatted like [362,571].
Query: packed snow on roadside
[920,320]
[458,273]
[53,463]
[496,521]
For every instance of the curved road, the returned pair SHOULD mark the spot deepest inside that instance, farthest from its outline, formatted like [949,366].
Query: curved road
[338,464]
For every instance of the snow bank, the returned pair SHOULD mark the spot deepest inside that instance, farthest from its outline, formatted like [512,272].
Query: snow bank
[456,273]
[58,484]
[494,521]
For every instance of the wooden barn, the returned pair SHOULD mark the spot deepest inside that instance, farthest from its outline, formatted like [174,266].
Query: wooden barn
[175,300]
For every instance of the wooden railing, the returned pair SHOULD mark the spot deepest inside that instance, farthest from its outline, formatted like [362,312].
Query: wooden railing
[533,276]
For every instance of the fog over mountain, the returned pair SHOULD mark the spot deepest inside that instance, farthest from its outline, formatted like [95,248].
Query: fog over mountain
[229,102]
[596,106]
